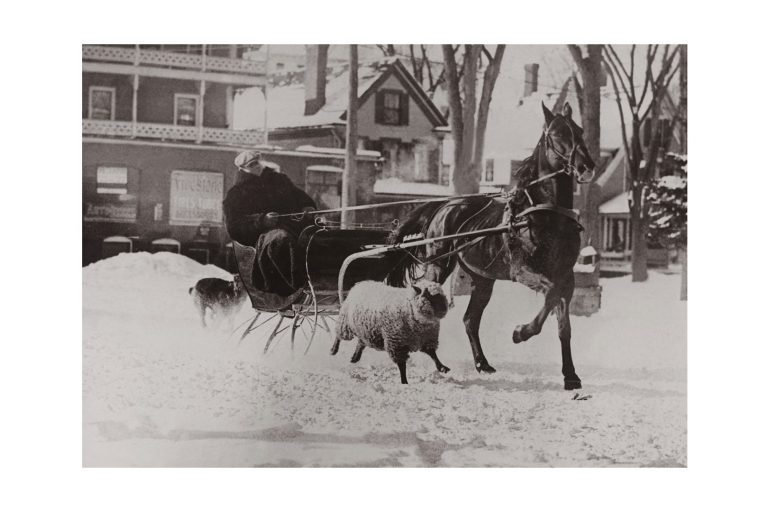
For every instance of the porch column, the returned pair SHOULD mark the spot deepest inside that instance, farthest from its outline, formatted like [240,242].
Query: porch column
[134,105]
[200,110]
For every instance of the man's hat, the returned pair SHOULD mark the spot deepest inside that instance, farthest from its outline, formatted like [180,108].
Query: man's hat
[247,158]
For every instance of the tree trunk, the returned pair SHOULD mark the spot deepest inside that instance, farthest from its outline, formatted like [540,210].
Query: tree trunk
[590,119]
[639,224]
[489,82]
[466,177]
[348,192]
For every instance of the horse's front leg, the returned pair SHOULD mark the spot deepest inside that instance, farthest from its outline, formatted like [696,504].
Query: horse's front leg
[482,288]
[572,380]
[532,328]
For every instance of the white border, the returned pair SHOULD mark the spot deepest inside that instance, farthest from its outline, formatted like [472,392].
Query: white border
[43,376]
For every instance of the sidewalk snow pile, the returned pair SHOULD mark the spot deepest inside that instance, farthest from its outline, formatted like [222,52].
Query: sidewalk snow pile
[158,390]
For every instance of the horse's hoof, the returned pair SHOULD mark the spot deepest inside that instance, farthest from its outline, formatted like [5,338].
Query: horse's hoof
[517,335]
[484,368]
[571,384]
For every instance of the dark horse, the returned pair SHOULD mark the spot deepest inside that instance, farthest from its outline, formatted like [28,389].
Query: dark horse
[539,250]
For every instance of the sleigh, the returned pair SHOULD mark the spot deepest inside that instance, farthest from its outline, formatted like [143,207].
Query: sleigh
[314,305]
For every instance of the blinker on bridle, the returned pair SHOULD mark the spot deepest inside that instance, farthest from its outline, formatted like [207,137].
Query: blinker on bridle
[569,161]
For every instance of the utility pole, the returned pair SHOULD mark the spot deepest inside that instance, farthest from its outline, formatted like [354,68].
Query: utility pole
[266,102]
[350,164]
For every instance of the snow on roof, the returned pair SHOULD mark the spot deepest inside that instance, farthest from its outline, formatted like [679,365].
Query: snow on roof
[616,205]
[396,186]
[324,168]
[514,126]
[337,151]
[285,101]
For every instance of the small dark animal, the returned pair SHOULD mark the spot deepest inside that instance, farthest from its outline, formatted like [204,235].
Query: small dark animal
[223,298]
[398,320]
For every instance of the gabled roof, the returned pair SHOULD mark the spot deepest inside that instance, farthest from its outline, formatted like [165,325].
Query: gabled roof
[285,100]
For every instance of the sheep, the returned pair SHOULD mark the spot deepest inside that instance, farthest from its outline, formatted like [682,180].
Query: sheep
[398,320]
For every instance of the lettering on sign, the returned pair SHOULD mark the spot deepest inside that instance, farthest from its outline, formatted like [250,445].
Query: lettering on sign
[196,197]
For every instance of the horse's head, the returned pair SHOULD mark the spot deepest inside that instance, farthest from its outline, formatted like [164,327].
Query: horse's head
[564,145]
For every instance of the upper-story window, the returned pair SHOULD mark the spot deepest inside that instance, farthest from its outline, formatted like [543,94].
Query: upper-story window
[101,102]
[185,109]
[392,107]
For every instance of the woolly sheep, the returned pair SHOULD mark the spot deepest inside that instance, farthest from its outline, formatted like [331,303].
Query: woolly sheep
[398,320]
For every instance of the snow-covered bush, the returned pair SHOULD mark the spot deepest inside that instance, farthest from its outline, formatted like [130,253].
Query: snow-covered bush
[668,197]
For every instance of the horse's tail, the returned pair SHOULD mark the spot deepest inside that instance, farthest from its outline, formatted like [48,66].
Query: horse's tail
[417,222]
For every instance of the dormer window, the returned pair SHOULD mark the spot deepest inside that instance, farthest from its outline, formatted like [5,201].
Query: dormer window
[392,107]
[185,109]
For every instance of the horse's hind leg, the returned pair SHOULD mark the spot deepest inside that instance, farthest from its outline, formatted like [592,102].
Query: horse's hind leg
[572,380]
[481,294]
[532,328]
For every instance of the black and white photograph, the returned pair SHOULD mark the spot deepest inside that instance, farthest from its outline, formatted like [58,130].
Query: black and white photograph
[384,255]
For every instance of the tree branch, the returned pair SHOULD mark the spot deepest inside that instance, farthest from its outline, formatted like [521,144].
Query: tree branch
[627,151]
[578,57]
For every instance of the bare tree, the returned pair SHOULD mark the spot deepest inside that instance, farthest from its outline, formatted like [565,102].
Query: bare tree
[644,95]
[590,67]
[431,75]
[468,115]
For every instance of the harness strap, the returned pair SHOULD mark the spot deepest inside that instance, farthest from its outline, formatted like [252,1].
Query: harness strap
[567,212]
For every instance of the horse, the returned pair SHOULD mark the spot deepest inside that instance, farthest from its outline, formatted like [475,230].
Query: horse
[539,250]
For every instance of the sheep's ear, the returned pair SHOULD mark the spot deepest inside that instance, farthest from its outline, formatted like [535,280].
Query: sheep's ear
[416,289]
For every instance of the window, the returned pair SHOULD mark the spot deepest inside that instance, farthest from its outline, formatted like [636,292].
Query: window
[112,180]
[196,197]
[489,170]
[101,103]
[185,109]
[392,107]
[110,194]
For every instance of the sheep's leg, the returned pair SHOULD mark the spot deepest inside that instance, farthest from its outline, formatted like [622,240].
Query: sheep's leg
[399,355]
[335,347]
[358,352]
[440,366]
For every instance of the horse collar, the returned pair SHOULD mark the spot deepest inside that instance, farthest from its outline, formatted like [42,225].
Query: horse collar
[567,212]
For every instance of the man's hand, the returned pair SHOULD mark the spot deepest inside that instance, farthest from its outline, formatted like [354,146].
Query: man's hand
[307,211]
[270,220]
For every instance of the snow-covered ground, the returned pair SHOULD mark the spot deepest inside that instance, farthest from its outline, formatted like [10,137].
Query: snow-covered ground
[158,390]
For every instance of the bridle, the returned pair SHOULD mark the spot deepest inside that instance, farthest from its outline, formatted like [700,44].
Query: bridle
[569,169]
[569,161]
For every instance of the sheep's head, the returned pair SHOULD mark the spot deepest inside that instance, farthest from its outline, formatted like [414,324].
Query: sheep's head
[429,300]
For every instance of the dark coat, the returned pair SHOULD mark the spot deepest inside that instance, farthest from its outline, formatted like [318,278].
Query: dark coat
[270,192]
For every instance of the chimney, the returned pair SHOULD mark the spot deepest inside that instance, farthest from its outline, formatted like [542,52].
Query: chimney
[531,79]
[314,78]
